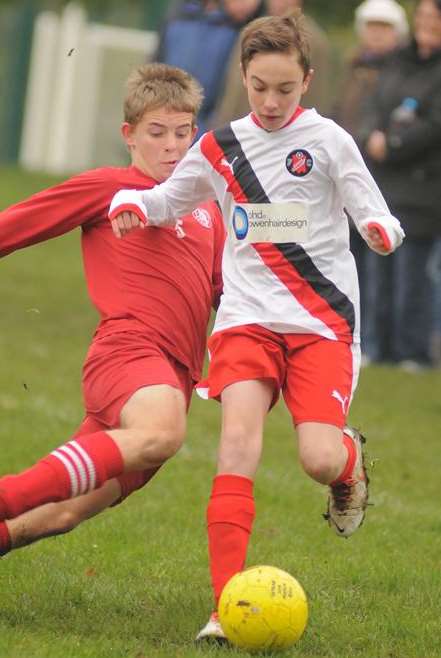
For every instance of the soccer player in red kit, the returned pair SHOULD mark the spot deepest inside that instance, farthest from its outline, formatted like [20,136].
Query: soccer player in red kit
[288,320]
[154,292]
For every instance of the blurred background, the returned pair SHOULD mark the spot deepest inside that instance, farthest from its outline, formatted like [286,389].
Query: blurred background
[63,67]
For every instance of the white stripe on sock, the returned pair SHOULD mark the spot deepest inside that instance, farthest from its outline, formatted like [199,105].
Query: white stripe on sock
[70,470]
[89,464]
[77,462]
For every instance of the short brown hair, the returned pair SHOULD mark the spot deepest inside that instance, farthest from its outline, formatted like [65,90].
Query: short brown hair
[275,34]
[158,85]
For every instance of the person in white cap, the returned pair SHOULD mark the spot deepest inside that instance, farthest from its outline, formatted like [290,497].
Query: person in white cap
[381,25]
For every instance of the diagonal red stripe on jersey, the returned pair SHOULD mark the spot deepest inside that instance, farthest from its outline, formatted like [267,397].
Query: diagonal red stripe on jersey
[303,291]
[290,262]
[218,159]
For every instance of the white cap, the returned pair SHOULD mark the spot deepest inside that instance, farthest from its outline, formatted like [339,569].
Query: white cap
[383,11]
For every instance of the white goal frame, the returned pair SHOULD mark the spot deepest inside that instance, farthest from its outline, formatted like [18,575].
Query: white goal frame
[62,118]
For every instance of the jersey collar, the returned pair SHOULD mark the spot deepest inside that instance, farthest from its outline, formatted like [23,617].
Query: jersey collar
[138,171]
[299,110]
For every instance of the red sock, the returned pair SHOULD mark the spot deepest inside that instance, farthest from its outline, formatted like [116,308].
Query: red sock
[5,539]
[74,468]
[352,456]
[133,481]
[230,517]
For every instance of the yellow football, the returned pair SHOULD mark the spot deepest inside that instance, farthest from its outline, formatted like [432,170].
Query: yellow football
[263,608]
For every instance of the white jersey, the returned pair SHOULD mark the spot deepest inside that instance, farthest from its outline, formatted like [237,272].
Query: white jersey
[287,264]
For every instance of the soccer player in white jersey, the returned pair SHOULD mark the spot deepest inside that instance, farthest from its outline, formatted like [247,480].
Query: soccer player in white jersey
[289,315]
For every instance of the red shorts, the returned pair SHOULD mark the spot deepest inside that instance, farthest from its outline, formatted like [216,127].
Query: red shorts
[118,365]
[317,376]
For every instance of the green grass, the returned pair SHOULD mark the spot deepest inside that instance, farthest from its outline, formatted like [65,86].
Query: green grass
[134,582]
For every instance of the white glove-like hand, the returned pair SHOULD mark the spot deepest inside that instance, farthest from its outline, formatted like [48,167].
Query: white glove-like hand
[127,211]
[382,235]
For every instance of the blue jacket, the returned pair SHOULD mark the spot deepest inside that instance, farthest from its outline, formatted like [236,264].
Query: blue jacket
[199,42]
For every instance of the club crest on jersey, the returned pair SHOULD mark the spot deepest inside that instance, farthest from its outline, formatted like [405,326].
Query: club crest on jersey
[202,216]
[299,163]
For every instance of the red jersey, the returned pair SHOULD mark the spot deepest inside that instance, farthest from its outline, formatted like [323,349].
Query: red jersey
[161,282]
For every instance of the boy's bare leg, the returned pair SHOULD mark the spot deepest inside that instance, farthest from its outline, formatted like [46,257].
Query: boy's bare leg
[153,423]
[59,518]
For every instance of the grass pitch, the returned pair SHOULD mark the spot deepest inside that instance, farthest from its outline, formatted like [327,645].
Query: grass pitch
[133,583]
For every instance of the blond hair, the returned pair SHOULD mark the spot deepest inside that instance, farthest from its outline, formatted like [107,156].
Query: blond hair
[158,85]
[275,34]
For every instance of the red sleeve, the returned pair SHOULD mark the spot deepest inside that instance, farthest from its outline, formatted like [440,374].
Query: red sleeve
[80,201]
[219,241]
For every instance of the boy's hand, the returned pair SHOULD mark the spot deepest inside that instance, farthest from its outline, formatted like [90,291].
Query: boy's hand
[124,222]
[382,236]
[375,241]
[127,212]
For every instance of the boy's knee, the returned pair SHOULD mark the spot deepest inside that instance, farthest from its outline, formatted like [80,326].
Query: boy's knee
[320,466]
[159,446]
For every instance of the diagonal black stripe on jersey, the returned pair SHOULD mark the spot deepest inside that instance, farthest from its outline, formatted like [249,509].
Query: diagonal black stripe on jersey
[243,171]
[337,300]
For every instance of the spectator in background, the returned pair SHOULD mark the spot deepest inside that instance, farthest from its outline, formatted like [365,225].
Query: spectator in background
[198,36]
[381,27]
[233,103]
[402,139]
[241,12]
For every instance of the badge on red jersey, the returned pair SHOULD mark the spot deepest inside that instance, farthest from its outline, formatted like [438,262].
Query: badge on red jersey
[299,163]
[203,217]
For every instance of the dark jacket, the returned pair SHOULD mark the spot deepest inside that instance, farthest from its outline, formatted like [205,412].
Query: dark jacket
[410,176]
[359,79]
